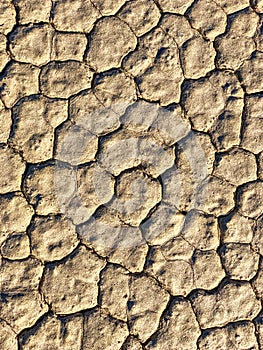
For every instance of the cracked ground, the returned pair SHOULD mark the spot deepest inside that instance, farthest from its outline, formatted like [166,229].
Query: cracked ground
[131,163]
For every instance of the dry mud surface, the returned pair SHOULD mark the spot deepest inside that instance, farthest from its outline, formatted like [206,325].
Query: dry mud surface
[131,185]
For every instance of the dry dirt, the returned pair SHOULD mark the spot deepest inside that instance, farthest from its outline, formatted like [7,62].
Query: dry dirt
[131,185]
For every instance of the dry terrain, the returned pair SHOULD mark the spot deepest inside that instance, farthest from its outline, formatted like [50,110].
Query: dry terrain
[131,174]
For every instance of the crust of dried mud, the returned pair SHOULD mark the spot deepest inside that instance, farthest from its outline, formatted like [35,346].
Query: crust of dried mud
[131,174]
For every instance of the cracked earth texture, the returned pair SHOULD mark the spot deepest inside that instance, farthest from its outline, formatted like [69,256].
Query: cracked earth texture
[131,187]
